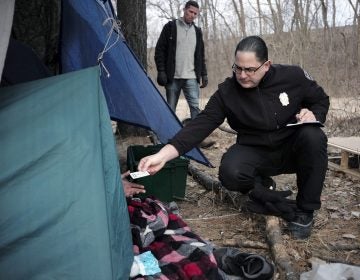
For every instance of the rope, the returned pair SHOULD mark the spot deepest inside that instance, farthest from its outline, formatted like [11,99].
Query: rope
[113,27]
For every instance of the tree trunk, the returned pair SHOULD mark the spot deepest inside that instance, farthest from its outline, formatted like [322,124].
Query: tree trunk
[259,15]
[132,15]
[37,24]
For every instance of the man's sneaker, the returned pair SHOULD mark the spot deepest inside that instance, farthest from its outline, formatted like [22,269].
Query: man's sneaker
[301,226]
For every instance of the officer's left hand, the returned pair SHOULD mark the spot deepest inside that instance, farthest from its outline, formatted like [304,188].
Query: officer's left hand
[286,210]
[305,115]
[263,195]
[204,81]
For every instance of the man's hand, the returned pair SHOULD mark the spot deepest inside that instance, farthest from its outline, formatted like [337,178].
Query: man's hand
[131,188]
[205,81]
[305,115]
[162,78]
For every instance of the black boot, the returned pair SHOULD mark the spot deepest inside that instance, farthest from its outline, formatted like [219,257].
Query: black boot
[300,227]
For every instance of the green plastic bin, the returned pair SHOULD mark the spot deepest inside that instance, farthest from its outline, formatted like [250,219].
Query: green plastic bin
[169,183]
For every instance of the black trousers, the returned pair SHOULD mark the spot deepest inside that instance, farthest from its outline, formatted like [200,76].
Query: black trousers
[304,153]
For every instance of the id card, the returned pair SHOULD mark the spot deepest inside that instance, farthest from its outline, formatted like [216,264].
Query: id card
[139,174]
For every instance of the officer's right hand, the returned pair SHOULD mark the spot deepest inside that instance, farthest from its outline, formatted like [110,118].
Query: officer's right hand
[162,78]
[151,164]
[155,162]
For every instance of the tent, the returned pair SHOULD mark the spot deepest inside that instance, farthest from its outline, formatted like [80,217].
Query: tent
[130,93]
[63,213]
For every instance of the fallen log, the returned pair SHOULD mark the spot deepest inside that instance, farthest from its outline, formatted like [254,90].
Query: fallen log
[278,250]
[203,179]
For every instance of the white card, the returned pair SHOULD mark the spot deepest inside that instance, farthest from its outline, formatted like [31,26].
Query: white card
[139,174]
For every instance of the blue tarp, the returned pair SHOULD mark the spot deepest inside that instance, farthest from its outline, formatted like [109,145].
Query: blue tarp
[130,94]
[63,214]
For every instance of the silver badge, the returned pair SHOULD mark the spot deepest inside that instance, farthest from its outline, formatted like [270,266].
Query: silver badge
[284,99]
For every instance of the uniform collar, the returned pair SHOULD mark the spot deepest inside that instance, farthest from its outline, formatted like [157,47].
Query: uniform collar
[267,75]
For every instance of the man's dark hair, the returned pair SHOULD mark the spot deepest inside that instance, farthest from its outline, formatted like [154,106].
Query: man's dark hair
[254,44]
[191,3]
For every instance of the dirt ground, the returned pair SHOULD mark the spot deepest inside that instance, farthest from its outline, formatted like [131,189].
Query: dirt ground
[216,216]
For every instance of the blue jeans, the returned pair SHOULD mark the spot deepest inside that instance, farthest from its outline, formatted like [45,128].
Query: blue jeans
[191,92]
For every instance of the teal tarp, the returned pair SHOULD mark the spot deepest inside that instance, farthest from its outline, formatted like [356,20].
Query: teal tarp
[63,213]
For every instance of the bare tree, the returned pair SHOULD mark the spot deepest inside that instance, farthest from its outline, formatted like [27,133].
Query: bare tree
[37,23]
[333,13]
[166,9]
[132,15]
[204,19]
[356,30]
[277,16]
[303,32]
[259,16]
[324,10]
[240,13]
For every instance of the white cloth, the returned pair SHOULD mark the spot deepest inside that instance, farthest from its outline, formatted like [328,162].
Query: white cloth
[336,271]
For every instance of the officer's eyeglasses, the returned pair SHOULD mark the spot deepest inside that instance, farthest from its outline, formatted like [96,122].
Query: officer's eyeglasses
[248,70]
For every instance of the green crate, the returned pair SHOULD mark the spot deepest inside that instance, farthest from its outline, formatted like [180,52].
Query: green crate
[167,184]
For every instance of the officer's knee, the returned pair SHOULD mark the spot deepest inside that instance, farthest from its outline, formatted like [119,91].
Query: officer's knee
[312,136]
[235,180]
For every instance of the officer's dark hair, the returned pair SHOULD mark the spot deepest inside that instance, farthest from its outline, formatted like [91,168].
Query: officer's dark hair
[191,3]
[254,44]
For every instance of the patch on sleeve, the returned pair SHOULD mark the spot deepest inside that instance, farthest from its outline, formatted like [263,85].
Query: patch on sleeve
[308,76]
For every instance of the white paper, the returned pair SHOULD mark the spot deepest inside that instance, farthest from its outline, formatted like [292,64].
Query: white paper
[139,174]
[317,123]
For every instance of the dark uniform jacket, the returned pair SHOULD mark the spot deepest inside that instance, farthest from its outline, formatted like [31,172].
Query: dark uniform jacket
[165,51]
[257,114]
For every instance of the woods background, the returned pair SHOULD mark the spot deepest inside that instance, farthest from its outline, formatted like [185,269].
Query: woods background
[322,36]
[306,32]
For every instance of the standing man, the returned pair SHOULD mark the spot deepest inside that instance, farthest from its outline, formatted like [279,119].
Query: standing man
[180,59]
[259,101]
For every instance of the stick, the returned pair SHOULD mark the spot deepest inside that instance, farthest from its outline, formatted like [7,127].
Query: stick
[202,178]
[237,242]
[339,246]
[213,217]
[278,249]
